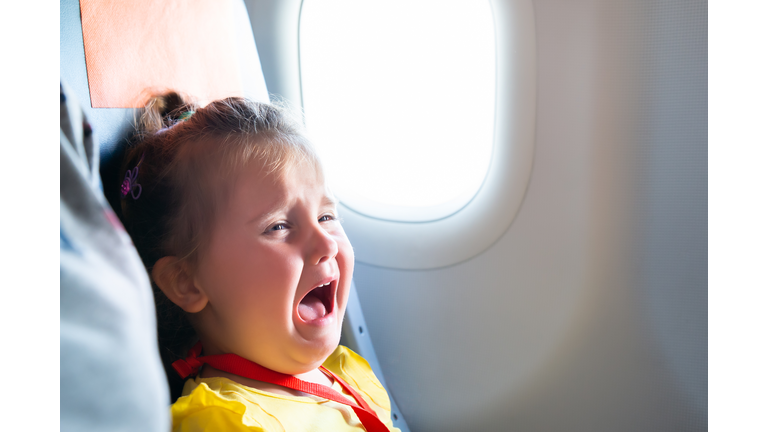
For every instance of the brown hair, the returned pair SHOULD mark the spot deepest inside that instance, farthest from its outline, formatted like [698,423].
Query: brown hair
[185,166]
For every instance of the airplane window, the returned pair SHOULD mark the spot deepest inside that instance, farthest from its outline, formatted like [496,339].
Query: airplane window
[424,112]
[399,98]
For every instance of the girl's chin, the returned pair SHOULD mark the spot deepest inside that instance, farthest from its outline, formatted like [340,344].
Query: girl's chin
[313,353]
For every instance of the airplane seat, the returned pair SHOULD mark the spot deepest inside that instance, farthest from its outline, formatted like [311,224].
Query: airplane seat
[110,369]
[111,373]
[112,127]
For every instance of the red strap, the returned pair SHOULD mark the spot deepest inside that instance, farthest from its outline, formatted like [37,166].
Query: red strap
[237,365]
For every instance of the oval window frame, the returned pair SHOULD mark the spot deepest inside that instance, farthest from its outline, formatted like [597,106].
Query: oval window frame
[485,218]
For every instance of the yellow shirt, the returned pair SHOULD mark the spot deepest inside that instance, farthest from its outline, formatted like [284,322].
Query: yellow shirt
[220,404]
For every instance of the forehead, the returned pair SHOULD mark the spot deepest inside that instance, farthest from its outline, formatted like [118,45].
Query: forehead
[258,187]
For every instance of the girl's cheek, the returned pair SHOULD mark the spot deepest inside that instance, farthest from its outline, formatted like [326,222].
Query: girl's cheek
[347,254]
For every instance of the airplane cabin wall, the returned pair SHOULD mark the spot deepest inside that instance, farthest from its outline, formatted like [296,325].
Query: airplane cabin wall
[590,312]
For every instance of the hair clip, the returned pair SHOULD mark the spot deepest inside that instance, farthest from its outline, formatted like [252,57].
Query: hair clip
[186,115]
[183,117]
[129,182]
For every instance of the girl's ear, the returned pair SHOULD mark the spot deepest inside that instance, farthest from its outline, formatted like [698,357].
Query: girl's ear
[173,278]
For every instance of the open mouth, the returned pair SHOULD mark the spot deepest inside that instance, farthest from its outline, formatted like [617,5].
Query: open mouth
[317,303]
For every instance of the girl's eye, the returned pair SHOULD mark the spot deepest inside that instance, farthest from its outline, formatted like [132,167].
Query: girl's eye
[326,218]
[278,227]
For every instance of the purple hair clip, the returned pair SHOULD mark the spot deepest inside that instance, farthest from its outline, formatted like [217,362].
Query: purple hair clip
[129,182]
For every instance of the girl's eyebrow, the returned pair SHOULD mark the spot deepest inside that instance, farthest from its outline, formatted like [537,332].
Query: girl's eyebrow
[327,201]
[274,209]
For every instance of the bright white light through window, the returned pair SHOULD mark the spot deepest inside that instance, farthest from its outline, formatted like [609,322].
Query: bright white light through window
[399,99]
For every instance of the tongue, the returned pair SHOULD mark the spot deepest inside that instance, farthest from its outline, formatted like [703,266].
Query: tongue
[311,308]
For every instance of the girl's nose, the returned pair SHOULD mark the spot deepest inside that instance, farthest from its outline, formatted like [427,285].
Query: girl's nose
[322,247]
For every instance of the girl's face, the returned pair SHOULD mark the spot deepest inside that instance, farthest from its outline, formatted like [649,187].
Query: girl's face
[277,272]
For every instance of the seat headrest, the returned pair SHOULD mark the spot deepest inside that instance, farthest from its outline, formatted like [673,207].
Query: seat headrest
[113,126]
